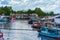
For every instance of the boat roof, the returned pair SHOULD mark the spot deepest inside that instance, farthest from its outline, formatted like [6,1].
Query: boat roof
[48,18]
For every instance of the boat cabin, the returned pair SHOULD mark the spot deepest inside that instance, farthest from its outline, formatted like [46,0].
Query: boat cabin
[24,16]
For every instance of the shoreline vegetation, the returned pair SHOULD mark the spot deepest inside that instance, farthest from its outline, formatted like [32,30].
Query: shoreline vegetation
[7,10]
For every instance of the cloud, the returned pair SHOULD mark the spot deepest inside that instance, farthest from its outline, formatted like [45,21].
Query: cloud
[45,5]
[4,2]
[12,2]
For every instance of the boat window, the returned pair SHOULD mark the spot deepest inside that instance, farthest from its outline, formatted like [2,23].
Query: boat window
[52,20]
[58,25]
[51,31]
[4,17]
[58,17]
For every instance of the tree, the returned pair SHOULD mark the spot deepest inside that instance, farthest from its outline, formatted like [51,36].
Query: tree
[40,12]
[20,12]
[51,13]
[1,10]
[29,11]
[6,10]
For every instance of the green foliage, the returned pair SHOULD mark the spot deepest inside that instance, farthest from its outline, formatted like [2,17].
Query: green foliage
[40,12]
[13,11]
[7,10]
[29,11]
[1,10]
[51,13]
[19,12]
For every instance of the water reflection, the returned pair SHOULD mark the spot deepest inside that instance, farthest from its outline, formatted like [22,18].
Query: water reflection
[11,33]
[5,26]
[45,38]
[18,34]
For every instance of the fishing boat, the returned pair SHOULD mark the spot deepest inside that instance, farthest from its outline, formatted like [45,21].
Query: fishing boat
[50,30]
[24,16]
[4,19]
[33,18]
[36,25]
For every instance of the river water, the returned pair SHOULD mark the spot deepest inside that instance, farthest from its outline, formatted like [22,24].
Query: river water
[19,30]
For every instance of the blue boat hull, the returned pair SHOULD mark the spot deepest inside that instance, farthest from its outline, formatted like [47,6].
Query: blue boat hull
[49,35]
[4,20]
[49,32]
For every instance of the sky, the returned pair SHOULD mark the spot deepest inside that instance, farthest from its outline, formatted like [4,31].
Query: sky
[45,5]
